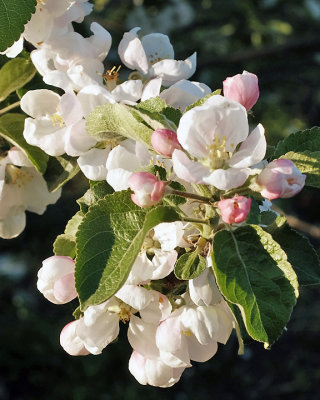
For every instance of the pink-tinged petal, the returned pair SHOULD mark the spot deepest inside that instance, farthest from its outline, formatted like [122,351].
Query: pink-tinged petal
[141,336]
[151,89]
[251,151]
[165,141]
[172,71]
[184,93]
[188,170]
[148,190]
[132,53]
[242,88]
[201,352]
[128,92]
[226,179]
[39,103]
[234,210]
[64,288]
[70,341]
[281,178]
[93,164]
[137,367]
[158,373]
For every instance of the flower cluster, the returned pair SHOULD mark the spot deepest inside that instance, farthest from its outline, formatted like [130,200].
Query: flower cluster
[199,159]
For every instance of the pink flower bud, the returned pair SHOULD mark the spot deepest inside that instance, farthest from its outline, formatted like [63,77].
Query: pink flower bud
[235,209]
[56,279]
[148,190]
[242,88]
[165,141]
[71,342]
[281,178]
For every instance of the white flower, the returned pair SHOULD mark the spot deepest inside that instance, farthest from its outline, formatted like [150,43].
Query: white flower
[153,56]
[22,188]
[211,133]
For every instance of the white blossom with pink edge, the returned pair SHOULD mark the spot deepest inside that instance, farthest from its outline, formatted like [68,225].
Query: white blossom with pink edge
[56,279]
[242,88]
[153,56]
[148,189]
[281,178]
[211,133]
[70,341]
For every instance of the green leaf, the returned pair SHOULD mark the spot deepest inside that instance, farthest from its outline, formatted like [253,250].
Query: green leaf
[115,121]
[97,191]
[252,272]
[300,252]
[254,216]
[14,75]
[189,266]
[14,14]
[201,101]
[59,171]
[307,140]
[11,128]
[308,162]
[108,242]
[65,244]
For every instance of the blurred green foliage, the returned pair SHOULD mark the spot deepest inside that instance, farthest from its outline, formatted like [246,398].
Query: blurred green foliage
[279,41]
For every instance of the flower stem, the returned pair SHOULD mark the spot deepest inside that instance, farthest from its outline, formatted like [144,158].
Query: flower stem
[190,195]
[8,108]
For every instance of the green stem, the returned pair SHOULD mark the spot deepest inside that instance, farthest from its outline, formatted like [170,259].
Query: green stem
[195,220]
[190,195]
[8,108]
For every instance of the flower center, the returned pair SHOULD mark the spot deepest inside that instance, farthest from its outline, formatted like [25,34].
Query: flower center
[17,176]
[217,154]
[111,77]
[57,120]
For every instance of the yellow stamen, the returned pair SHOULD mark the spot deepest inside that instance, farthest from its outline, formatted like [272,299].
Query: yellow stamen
[111,77]
[217,154]
[57,120]
[187,333]
[17,176]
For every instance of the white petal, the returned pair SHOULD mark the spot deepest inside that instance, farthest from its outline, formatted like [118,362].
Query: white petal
[226,179]
[118,178]
[141,336]
[39,103]
[15,49]
[93,164]
[157,45]
[188,170]
[163,263]
[172,71]
[128,92]
[203,289]
[135,296]
[251,151]
[200,352]
[77,141]
[58,79]
[101,40]
[157,310]
[70,108]
[151,89]
[12,225]
[93,96]
[132,53]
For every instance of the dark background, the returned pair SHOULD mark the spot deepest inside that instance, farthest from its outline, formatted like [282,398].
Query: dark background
[280,42]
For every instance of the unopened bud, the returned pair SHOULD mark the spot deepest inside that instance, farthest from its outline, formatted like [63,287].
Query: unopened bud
[56,279]
[165,141]
[281,178]
[242,88]
[234,210]
[148,189]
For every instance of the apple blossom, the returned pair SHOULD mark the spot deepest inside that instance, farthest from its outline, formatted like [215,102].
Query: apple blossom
[153,56]
[56,279]
[148,189]
[71,342]
[165,141]
[211,134]
[242,88]
[234,210]
[281,178]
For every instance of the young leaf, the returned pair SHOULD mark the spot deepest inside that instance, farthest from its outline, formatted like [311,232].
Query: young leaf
[252,272]
[189,266]
[14,75]
[301,254]
[307,140]
[114,121]
[108,242]
[97,191]
[59,171]
[65,244]
[308,162]
[14,14]
[11,128]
